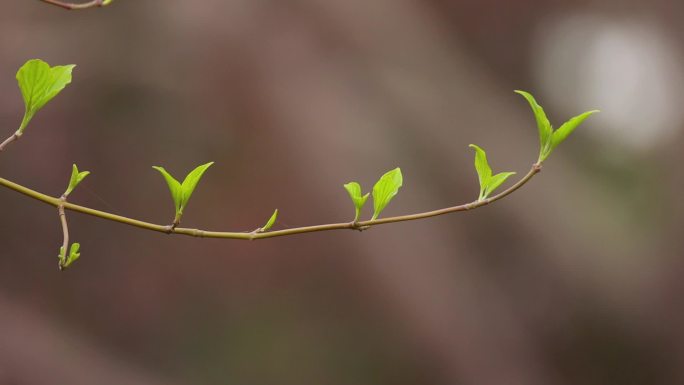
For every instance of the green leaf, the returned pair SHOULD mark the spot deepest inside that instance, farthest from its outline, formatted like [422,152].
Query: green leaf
[548,138]
[543,124]
[74,254]
[488,183]
[181,192]
[174,187]
[76,178]
[270,222]
[484,172]
[39,83]
[354,190]
[385,189]
[496,181]
[567,128]
[190,182]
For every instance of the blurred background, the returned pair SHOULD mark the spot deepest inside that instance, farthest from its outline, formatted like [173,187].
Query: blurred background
[575,279]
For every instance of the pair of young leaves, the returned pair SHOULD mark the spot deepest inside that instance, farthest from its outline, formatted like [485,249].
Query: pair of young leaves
[548,141]
[181,192]
[383,191]
[388,185]
[548,138]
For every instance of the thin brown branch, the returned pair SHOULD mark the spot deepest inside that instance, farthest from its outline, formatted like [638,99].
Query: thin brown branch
[64,254]
[57,202]
[75,6]
[9,140]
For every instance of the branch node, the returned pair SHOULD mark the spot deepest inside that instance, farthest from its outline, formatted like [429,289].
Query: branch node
[354,225]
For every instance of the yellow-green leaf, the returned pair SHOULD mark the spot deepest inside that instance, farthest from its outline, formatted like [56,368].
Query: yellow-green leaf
[190,182]
[76,178]
[354,190]
[174,188]
[39,83]
[271,221]
[543,124]
[496,181]
[568,127]
[484,172]
[385,189]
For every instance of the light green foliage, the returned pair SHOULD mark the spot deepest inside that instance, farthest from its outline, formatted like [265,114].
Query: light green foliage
[568,127]
[181,192]
[174,187]
[548,138]
[39,83]
[107,2]
[488,183]
[496,181]
[190,182]
[543,124]
[354,190]
[74,254]
[385,189]
[271,221]
[76,178]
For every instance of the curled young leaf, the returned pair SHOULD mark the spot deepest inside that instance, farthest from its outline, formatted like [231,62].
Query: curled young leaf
[385,189]
[67,260]
[354,190]
[39,83]
[74,254]
[271,222]
[76,178]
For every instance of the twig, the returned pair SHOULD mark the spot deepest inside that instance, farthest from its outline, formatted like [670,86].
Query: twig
[57,202]
[75,6]
[9,140]
[65,232]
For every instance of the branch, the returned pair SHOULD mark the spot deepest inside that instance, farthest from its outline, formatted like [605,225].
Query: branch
[362,225]
[77,6]
[65,234]
[14,137]
[39,83]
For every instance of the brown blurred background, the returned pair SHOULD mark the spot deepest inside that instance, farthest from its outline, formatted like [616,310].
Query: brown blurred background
[575,279]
